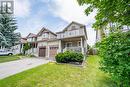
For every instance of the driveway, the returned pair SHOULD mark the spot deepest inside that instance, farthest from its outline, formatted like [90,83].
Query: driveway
[13,67]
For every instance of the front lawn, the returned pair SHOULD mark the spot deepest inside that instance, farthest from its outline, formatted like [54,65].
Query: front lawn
[61,75]
[8,58]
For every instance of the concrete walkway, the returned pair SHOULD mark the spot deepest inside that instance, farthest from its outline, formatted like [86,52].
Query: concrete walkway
[13,67]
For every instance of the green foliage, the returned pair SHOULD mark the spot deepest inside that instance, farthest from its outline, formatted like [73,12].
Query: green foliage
[20,54]
[8,58]
[115,51]
[26,46]
[59,57]
[69,56]
[115,11]
[90,51]
[31,55]
[7,27]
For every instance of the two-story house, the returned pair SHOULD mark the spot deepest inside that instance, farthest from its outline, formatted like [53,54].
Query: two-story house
[73,37]
[47,43]
[44,38]
[31,39]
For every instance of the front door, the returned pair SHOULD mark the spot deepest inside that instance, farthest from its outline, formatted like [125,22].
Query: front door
[42,52]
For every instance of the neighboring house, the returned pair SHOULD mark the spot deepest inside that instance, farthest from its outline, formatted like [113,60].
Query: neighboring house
[106,30]
[46,40]
[17,49]
[32,41]
[47,44]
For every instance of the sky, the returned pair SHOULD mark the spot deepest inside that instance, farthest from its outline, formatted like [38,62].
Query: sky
[55,15]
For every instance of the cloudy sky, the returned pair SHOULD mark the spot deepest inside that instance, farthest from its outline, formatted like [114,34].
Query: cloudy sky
[55,15]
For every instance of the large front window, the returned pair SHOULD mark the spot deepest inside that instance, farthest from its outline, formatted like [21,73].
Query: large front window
[68,44]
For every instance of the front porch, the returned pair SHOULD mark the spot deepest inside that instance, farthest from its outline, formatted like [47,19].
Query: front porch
[77,44]
[77,49]
[33,49]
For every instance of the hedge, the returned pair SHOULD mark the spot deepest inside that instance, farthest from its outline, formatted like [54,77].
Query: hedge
[69,56]
[115,53]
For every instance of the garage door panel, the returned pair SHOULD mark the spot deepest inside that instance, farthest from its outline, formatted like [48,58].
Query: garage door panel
[42,52]
[53,51]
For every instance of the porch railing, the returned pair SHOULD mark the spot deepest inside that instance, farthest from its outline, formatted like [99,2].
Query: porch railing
[76,49]
[31,51]
[72,33]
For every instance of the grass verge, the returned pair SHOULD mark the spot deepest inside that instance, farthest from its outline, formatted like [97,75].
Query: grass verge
[61,75]
[8,58]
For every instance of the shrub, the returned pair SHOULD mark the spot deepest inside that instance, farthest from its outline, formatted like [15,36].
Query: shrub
[20,54]
[69,56]
[90,51]
[31,55]
[26,46]
[115,51]
[59,57]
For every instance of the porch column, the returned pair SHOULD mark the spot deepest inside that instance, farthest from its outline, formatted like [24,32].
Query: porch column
[34,47]
[60,46]
[82,46]
[21,50]
[48,51]
[85,46]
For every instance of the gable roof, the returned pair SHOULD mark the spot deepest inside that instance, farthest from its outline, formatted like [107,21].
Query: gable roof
[73,22]
[23,40]
[31,35]
[39,33]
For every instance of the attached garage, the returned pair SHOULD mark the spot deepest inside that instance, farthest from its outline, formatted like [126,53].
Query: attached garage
[53,51]
[42,51]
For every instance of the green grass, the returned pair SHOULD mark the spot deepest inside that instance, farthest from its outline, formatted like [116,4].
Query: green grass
[61,75]
[8,58]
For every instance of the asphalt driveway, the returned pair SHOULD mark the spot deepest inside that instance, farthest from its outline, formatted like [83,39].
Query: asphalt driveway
[13,67]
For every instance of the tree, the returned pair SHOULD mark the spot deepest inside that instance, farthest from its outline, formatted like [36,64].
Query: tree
[115,51]
[7,29]
[2,40]
[26,46]
[115,11]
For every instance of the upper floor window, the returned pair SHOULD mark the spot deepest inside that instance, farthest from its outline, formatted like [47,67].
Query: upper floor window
[45,35]
[73,27]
